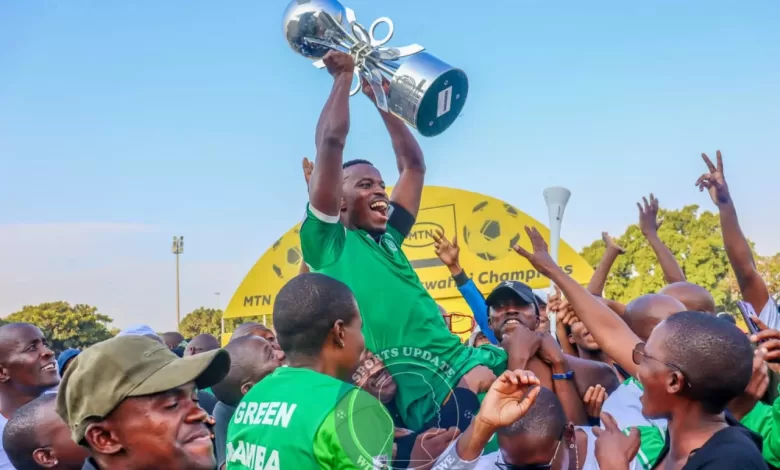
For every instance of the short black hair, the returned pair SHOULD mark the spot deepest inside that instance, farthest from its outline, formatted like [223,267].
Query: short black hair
[20,438]
[174,334]
[703,346]
[727,317]
[245,367]
[545,418]
[306,309]
[207,341]
[357,161]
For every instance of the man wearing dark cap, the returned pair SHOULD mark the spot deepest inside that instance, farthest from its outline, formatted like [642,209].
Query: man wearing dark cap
[133,402]
[512,304]
[65,358]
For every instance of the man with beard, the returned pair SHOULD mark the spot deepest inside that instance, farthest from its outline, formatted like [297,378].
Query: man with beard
[37,438]
[27,370]
[353,232]
[133,402]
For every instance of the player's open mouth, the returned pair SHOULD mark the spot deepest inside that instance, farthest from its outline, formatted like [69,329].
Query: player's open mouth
[52,366]
[380,206]
[511,321]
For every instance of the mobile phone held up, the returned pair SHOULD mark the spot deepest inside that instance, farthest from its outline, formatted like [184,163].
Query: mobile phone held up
[747,312]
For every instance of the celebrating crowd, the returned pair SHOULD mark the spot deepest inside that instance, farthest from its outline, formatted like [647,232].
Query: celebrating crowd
[361,370]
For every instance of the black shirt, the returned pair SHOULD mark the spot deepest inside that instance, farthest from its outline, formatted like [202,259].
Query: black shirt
[732,448]
[222,414]
[207,401]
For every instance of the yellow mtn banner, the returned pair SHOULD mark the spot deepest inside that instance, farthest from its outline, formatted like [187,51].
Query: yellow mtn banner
[487,228]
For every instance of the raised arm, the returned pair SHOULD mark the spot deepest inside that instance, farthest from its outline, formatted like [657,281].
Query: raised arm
[607,328]
[648,223]
[449,254]
[599,278]
[409,158]
[331,137]
[738,250]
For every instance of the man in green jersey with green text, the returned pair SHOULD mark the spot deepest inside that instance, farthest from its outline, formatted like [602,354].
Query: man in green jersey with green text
[307,416]
[353,232]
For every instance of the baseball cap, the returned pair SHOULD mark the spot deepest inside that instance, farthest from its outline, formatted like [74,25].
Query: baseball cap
[65,356]
[104,375]
[518,288]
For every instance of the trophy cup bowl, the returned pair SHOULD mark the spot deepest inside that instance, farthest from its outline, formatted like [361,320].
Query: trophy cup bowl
[424,91]
[302,21]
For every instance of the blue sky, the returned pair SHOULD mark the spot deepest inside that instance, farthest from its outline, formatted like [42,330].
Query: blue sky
[125,123]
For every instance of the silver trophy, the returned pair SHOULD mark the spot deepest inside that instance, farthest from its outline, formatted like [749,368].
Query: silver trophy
[427,93]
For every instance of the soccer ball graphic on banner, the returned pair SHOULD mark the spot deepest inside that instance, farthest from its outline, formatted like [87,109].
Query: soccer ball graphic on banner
[491,230]
[288,260]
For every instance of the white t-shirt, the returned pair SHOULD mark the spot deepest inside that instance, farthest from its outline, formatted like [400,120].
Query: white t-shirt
[5,464]
[769,314]
[624,405]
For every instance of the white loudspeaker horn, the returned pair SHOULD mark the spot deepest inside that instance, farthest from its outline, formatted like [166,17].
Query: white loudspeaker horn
[556,199]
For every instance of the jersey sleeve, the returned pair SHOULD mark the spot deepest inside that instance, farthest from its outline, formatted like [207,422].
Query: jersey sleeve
[651,444]
[762,421]
[322,238]
[357,434]
[492,357]
[400,223]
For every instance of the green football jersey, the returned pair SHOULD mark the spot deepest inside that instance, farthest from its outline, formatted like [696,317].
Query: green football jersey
[401,321]
[299,419]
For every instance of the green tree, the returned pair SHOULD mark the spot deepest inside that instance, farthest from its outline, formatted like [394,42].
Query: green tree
[66,326]
[769,267]
[693,237]
[201,320]
[208,320]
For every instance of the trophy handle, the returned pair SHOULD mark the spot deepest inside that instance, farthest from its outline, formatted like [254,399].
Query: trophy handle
[391,29]
[358,86]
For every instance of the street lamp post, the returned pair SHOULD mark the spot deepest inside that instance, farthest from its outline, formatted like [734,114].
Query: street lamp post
[221,319]
[178,248]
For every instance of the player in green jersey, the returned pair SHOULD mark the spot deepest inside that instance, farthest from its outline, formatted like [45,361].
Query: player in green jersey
[353,232]
[307,416]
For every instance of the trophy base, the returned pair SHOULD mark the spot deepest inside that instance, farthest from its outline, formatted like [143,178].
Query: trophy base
[442,103]
[428,94]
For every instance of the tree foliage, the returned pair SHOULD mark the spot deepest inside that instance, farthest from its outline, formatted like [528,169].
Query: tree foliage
[65,326]
[208,320]
[201,320]
[769,269]
[693,237]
